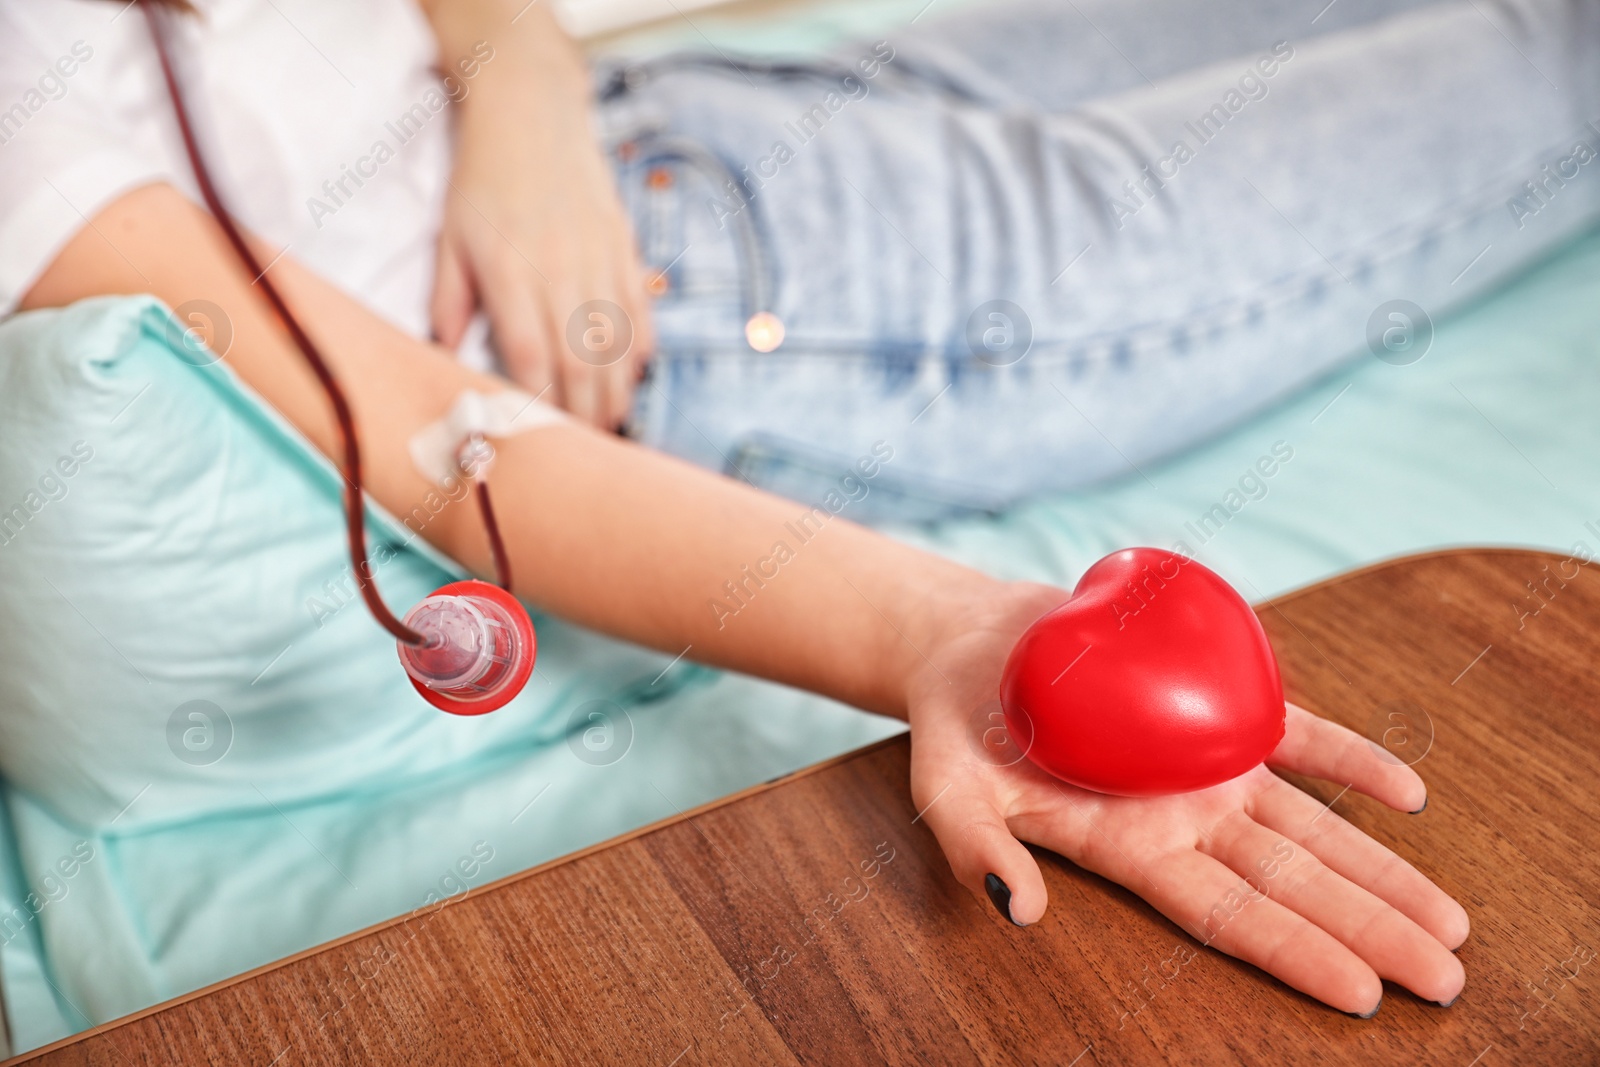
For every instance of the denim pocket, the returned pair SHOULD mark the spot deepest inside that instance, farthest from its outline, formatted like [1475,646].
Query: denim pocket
[708,272]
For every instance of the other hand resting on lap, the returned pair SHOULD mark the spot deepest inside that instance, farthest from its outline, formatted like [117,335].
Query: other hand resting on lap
[532,227]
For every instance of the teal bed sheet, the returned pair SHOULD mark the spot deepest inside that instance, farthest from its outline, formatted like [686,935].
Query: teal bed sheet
[1489,439]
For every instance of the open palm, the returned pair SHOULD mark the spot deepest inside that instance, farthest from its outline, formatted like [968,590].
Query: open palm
[1254,867]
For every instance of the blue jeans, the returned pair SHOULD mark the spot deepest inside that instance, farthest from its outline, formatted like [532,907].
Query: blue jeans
[1036,245]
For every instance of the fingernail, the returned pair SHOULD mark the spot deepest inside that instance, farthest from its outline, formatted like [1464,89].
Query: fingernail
[1367,1015]
[1000,897]
[1452,1000]
[1422,809]
[621,428]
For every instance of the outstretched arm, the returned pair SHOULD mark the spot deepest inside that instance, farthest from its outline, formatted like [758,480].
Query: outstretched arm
[637,544]
[600,531]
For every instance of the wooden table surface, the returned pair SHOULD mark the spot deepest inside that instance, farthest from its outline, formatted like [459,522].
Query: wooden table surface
[747,933]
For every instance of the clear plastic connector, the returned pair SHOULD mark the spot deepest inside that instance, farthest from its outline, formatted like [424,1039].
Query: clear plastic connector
[473,649]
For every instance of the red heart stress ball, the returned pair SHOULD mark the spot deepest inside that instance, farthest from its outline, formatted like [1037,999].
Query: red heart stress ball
[1154,678]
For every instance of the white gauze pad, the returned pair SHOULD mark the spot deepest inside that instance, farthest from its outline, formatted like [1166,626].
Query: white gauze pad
[434,448]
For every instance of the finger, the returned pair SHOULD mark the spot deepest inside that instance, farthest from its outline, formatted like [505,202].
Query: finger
[453,297]
[621,378]
[645,325]
[519,325]
[1314,746]
[645,349]
[634,278]
[616,392]
[1355,856]
[1213,904]
[978,846]
[1391,944]
[607,365]
[582,345]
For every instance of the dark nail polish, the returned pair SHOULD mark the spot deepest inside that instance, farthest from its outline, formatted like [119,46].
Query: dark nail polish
[621,428]
[1452,1000]
[1367,1015]
[999,896]
[1422,809]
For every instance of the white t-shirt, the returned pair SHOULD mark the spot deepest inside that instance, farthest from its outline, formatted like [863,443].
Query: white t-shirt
[291,100]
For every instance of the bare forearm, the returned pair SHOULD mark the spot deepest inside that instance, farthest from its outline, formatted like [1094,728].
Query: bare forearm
[642,545]
[600,531]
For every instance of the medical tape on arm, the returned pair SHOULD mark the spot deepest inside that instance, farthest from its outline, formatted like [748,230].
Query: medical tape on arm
[436,449]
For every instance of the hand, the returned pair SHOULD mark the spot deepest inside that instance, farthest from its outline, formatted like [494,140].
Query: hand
[533,229]
[1339,910]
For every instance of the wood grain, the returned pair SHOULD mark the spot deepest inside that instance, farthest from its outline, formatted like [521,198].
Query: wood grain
[814,921]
